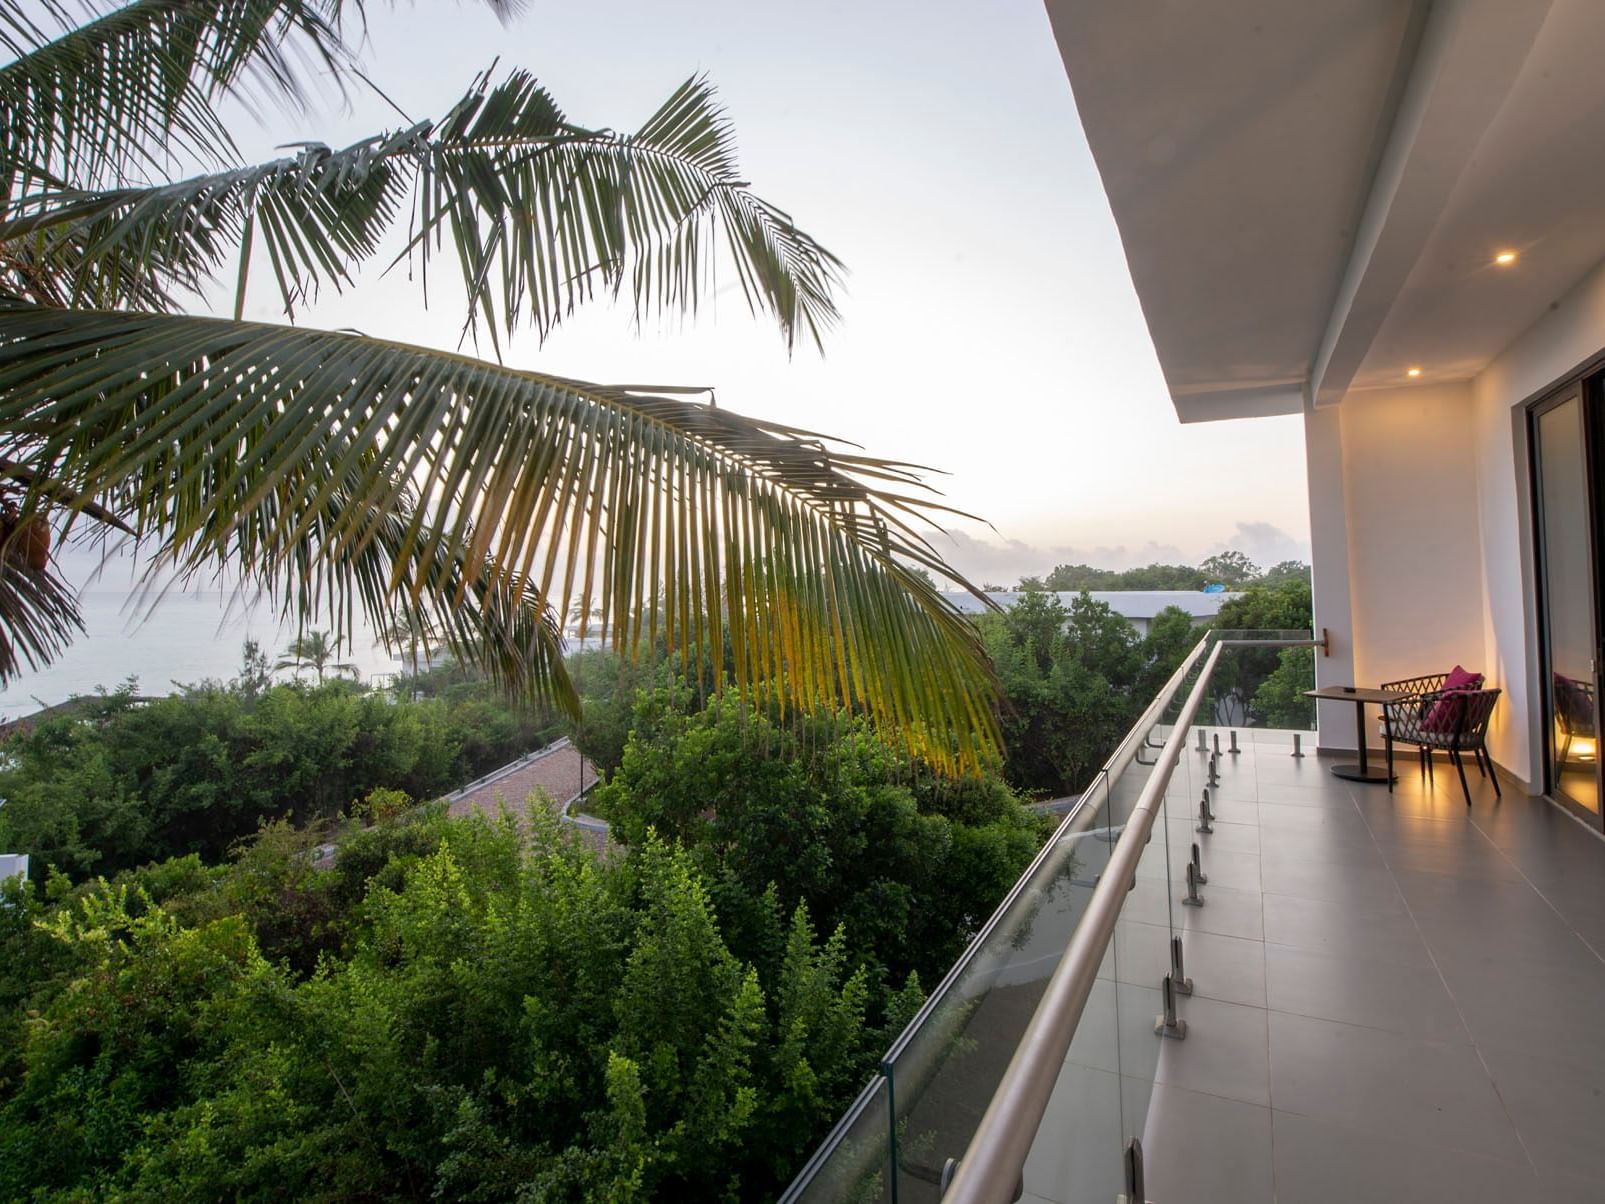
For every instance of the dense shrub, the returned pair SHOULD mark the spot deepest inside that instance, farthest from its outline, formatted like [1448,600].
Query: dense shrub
[117,782]
[821,813]
[495,1016]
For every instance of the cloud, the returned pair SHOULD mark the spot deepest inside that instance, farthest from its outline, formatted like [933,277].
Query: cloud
[1005,562]
[1265,544]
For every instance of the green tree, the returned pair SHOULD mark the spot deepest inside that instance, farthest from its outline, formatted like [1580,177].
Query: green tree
[607,684]
[118,782]
[1147,577]
[314,648]
[1074,681]
[349,474]
[1231,569]
[489,1014]
[1078,577]
[256,671]
[1286,605]
[1285,570]
[1171,636]
[1281,607]
[413,632]
[827,815]
[1279,699]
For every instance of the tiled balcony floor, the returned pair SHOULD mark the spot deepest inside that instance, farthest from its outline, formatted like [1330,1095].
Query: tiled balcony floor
[1396,998]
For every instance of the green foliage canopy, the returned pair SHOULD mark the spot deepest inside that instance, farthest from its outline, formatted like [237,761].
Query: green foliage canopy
[117,782]
[823,814]
[490,1016]
[1074,681]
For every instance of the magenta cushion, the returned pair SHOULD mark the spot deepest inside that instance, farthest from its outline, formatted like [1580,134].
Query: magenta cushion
[1445,713]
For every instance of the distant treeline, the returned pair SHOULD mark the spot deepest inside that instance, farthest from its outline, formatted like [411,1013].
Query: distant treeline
[1231,569]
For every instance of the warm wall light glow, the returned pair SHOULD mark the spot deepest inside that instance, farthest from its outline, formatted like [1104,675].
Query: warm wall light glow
[1412,372]
[1505,258]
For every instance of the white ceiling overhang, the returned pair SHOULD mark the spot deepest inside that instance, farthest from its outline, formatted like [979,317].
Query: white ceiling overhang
[1310,195]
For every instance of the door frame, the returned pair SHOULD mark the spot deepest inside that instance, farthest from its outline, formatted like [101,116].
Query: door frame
[1588,389]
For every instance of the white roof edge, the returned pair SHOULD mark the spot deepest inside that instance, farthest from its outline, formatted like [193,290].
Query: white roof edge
[1218,405]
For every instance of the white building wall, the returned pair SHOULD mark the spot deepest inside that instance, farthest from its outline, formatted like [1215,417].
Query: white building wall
[1414,591]
[1329,571]
[1569,334]
[1415,559]
[1421,532]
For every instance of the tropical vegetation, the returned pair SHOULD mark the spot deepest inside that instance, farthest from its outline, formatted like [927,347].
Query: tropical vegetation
[118,781]
[347,474]
[1075,678]
[464,1009]
[1231,569]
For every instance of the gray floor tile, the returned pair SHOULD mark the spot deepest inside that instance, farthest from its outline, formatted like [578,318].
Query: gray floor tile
[1229,867]
[1226,912]
[1207,1150]
[1346,933]
[1139,953]
[1538,1009]
[1329,881]
[1558,1107]
[1400,999]
[1371,931]
[1318,1162]
[1460,859]
[1097,1040]
[1312,843]
[1227,968]
[1077,1152]
[1434,1093]
[1228,836]
[1388,827]
[1340,824]
[1224,1053]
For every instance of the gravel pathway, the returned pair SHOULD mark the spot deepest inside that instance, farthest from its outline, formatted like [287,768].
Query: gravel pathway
[560,771]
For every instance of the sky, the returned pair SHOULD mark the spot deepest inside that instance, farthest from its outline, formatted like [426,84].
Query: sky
[989,326]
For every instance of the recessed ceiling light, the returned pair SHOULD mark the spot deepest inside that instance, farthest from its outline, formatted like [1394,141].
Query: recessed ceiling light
[1505,258]
[1412,372]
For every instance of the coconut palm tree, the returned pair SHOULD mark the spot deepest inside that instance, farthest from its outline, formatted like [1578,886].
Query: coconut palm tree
[345,473]
[412,632]
[314,648]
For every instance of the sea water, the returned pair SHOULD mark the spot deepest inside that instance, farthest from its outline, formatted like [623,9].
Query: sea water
[181,639]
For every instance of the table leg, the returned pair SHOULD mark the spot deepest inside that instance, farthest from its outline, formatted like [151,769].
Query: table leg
[1363,771]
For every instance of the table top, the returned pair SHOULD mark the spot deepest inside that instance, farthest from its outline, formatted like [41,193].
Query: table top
[1355,694]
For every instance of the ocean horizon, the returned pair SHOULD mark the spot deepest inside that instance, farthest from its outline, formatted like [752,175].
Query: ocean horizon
[185,638]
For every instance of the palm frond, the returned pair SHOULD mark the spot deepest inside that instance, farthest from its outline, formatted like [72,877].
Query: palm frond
[38,615]
[85,105]
[538,214]
[318,214]
[251,445]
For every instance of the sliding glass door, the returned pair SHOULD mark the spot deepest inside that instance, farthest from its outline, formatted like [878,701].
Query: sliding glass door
[1569,613]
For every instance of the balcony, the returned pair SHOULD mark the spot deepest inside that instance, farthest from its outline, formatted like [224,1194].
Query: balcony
[1391,996]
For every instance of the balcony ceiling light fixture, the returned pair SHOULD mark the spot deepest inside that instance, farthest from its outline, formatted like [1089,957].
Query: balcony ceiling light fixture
[1505,258]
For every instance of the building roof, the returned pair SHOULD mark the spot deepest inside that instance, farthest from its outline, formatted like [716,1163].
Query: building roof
[1132,604]
[1311,196]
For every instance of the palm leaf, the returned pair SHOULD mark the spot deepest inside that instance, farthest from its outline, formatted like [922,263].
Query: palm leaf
[539,215]
[38,616]
[87,104]
[356,469]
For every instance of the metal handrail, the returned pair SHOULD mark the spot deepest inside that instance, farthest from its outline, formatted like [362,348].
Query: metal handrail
[992,1165]
[1073,821]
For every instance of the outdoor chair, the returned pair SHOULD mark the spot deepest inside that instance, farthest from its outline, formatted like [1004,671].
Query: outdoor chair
[1433,718]
[1574,713]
